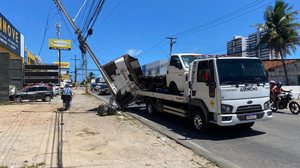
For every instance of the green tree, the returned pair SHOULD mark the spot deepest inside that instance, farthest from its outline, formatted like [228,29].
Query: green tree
[91,76]
[282,31]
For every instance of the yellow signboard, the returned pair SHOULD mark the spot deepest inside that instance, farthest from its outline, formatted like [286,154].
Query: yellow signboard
[59,44]
[63,64]
[65,77]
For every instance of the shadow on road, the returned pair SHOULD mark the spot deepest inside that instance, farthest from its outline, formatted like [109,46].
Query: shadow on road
[184,127]
[285,113]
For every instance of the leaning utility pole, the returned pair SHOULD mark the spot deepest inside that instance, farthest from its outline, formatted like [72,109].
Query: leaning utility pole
[75,59]
[57,25]
[85,72]
[82,42]
[171,43]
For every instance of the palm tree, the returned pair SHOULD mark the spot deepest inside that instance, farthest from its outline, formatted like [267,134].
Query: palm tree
[282,31]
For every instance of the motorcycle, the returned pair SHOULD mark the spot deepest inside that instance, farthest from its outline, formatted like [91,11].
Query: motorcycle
[286,100]
[66,102]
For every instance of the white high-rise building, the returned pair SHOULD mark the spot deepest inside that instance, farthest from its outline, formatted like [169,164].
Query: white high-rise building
[263,52]
[237,46]
[246,46]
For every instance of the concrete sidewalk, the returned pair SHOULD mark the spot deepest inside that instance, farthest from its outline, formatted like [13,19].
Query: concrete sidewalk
[37,134]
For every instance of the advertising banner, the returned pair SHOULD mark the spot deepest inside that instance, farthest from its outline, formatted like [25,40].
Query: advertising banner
[65,77]
[9,36]
[63,65]
[59,44]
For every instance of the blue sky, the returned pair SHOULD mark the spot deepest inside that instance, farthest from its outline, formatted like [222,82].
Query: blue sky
[139,26]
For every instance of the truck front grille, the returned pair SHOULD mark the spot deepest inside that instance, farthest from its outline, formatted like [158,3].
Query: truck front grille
[249,109]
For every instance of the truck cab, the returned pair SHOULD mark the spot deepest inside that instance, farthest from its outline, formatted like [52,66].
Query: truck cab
[231,90]
[177,70]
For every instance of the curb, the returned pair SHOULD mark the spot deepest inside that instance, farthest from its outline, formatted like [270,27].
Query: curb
[176,137]
[187,143]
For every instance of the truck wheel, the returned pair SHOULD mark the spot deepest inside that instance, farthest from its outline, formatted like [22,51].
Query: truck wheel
[150,107]
[199,122]
[173,88]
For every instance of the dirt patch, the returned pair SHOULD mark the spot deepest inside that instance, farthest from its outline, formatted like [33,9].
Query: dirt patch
[37,134]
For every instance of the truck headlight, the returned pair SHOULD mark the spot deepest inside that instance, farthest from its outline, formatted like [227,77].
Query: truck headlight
[267,105]
[226,108]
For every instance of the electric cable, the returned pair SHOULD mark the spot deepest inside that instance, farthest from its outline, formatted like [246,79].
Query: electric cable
[113,9]
[224,21]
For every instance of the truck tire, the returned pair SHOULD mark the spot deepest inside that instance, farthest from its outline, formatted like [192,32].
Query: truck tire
[199,122]
[150,107]
[173,88]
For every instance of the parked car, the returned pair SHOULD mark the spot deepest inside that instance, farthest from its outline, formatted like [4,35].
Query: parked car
[93,86]
[56,90]
[102,89]
[33,93]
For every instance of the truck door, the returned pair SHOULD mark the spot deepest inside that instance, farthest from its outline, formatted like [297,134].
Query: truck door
[204,86]
[175,73]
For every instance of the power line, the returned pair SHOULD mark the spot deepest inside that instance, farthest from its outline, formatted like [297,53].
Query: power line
[92,17]
[45,31]
[114,8]
[212,23]
[161,42]
[225,18]
[68,30]
[44,34]
[79,10]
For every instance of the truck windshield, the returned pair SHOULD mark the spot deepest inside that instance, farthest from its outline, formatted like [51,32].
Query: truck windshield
[187,59]
[241,71]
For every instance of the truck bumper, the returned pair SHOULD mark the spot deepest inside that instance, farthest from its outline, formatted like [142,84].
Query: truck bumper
[234,119]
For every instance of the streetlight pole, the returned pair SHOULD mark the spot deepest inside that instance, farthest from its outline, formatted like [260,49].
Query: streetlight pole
[57,25]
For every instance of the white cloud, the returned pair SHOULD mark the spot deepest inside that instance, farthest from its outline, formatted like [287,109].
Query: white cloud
[134,52]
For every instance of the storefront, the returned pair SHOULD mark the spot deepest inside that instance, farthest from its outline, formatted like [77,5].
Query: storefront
[29,58]
[11,40]
[11,57]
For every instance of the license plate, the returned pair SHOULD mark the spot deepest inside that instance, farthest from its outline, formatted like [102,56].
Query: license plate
[251,117]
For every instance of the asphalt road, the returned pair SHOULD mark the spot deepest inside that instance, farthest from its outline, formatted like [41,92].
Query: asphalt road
[274,143]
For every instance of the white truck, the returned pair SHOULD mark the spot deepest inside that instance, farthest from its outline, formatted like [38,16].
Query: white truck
[178,70]
[224,91]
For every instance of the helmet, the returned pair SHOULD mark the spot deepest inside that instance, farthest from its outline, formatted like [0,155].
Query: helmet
[279,84]
[272,82]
